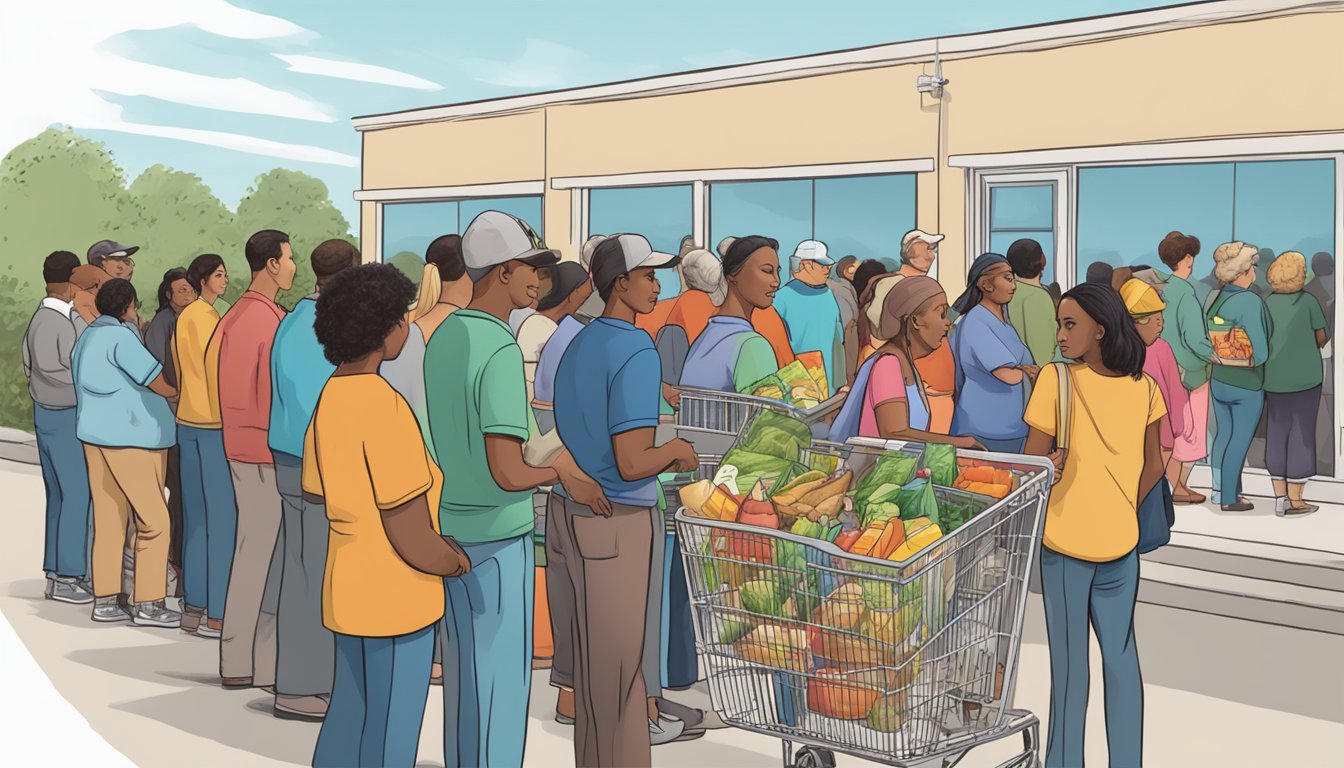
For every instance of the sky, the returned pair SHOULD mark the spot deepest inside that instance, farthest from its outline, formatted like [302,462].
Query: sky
[230,90]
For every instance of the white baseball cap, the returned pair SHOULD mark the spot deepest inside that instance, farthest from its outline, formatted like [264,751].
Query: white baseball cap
[813,250]
[621,254]
[495,238]
[918,234]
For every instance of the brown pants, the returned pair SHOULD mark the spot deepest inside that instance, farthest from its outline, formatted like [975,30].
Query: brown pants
[127,487]
[609,571]
[247,645]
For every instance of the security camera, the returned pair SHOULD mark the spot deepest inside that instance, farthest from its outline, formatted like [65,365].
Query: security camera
[931,84]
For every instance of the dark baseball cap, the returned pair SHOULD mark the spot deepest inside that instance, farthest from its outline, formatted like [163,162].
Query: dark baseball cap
[566,278]
[622,254]
[109,249]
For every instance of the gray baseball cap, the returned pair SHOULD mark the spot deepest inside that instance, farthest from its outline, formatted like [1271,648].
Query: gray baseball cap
[495,238]
[621,254]
[109,249]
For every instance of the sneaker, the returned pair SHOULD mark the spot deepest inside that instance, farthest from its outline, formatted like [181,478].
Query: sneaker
[665,731]
[210,628]
[67,591]
[309,708]
[106,609]
[156,614]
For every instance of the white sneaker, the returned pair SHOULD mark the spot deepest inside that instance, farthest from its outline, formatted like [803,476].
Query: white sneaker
[155,615]
[67,591]
[105,609]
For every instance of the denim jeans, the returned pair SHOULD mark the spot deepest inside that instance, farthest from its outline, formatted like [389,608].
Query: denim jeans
[487,655]
[209,519]
[1236,414]
[66,478]
[377,701]
[1079,593]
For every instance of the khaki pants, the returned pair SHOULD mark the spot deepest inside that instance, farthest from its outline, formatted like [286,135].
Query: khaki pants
[127,489]
[609,570]
[247,645]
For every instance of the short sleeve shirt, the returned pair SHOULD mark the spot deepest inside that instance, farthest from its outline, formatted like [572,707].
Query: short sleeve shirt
[114,405]
[886,382]
[198,395]
[543,388]
[1294,357]
[1093,512]
[363,454]
[475,370]
[609,382]
[987,407]
[729,356]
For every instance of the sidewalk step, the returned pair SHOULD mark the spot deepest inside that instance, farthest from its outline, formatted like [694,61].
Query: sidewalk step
[1241,597]
[1253,559]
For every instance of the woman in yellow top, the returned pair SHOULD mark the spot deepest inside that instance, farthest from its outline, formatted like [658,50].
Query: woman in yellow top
[1089,565]
[382,592]
[209,513]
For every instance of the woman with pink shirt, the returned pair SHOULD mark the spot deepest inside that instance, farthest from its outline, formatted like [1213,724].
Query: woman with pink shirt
[1145,306]
[887,399]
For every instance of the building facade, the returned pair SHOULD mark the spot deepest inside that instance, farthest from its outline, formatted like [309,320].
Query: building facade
[1095,137]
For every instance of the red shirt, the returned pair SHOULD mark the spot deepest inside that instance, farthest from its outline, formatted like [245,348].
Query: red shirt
[245,335]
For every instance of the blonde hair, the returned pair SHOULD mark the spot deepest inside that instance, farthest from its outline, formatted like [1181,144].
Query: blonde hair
[1288,273]
[1232,260]
[431,290]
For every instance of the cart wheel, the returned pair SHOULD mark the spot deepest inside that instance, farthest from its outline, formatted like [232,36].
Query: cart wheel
[811,757]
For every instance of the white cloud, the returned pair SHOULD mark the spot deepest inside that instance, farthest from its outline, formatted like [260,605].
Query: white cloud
[542,64]
[238,142]
[717,58]
[350,70]
[54,69]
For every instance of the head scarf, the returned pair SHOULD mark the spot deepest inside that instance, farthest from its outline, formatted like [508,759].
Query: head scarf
[973,295]
[1141,298]
[877,291]
[903,300]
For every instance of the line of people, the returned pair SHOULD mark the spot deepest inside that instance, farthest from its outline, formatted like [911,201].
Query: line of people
[356,480]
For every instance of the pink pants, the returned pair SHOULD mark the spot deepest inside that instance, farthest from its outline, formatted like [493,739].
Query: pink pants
[1197,447]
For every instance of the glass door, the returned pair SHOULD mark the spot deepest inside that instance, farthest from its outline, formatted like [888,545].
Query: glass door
[1028,205]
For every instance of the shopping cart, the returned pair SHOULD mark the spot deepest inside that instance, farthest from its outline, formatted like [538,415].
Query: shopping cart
[908,663]
[711,419]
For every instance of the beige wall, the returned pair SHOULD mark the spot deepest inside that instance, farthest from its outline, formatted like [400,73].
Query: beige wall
[1273,76]
[368,227]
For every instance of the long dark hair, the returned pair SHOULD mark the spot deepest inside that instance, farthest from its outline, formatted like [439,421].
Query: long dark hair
[166,287]
[1122,350]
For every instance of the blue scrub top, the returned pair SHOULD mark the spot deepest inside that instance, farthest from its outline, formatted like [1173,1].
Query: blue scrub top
[812,317]
[986,407]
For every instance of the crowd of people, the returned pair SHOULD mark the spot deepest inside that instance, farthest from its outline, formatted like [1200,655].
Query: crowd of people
[342,493]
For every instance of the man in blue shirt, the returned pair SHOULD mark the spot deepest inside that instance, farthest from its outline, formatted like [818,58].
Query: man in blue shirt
[810,311]
[305,649]
[606,410]
[126,426]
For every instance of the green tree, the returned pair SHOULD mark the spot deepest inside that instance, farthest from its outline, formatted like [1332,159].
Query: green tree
[176,219]
[410,265]
[294,203]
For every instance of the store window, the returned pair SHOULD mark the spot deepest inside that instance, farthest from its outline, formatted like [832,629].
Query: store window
[660,214]
[409,228]
[1024,211]
[1277,206]
[862,216]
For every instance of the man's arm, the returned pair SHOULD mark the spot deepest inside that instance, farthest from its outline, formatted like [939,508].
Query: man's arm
[416,542]
[637,458]
[504,455]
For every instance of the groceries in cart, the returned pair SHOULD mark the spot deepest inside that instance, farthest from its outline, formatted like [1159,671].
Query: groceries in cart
[796,384]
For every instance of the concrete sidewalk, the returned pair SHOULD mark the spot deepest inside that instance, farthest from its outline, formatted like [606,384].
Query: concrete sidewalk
[1218,692]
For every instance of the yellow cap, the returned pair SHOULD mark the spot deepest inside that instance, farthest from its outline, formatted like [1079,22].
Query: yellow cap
[1141,298]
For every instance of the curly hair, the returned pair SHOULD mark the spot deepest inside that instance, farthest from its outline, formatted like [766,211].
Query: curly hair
[359,308]
[115,297]
[1288,273]
[1234,259]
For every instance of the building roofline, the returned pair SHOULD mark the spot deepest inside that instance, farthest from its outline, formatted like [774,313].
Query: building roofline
[1052,35]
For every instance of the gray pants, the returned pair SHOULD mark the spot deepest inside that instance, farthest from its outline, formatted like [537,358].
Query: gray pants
[305,649]
[560,594]
[247,646]
[608,564]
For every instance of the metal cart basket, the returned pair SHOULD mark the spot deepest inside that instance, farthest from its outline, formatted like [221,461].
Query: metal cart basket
[909,663]
[706,413]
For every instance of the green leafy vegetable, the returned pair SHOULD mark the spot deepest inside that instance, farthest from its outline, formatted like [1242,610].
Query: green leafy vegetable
[762,597]
[734,628]
[894,469]
[774,434]
[710,573]
[880,513]
[752,467]
[941,461]
[917,499]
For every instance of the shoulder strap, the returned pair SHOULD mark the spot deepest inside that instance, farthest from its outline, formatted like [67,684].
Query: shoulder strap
[1215,305]
[1065,404]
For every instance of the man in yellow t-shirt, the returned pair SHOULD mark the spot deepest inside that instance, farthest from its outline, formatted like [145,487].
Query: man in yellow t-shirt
[209,514]
[382,590]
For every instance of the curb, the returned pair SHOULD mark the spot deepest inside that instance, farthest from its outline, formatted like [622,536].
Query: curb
[17,445]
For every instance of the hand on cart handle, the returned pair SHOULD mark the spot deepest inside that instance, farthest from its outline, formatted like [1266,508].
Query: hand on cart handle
[672,395]
[968,443]
[685,458]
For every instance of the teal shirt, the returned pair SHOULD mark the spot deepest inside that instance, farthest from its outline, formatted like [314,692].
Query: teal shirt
[1186,332]
[812,317]
[1032,313]
[1243,309]
[475,370]
[1294,356]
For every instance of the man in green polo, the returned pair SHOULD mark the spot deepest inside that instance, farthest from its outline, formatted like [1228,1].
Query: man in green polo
[479,418]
